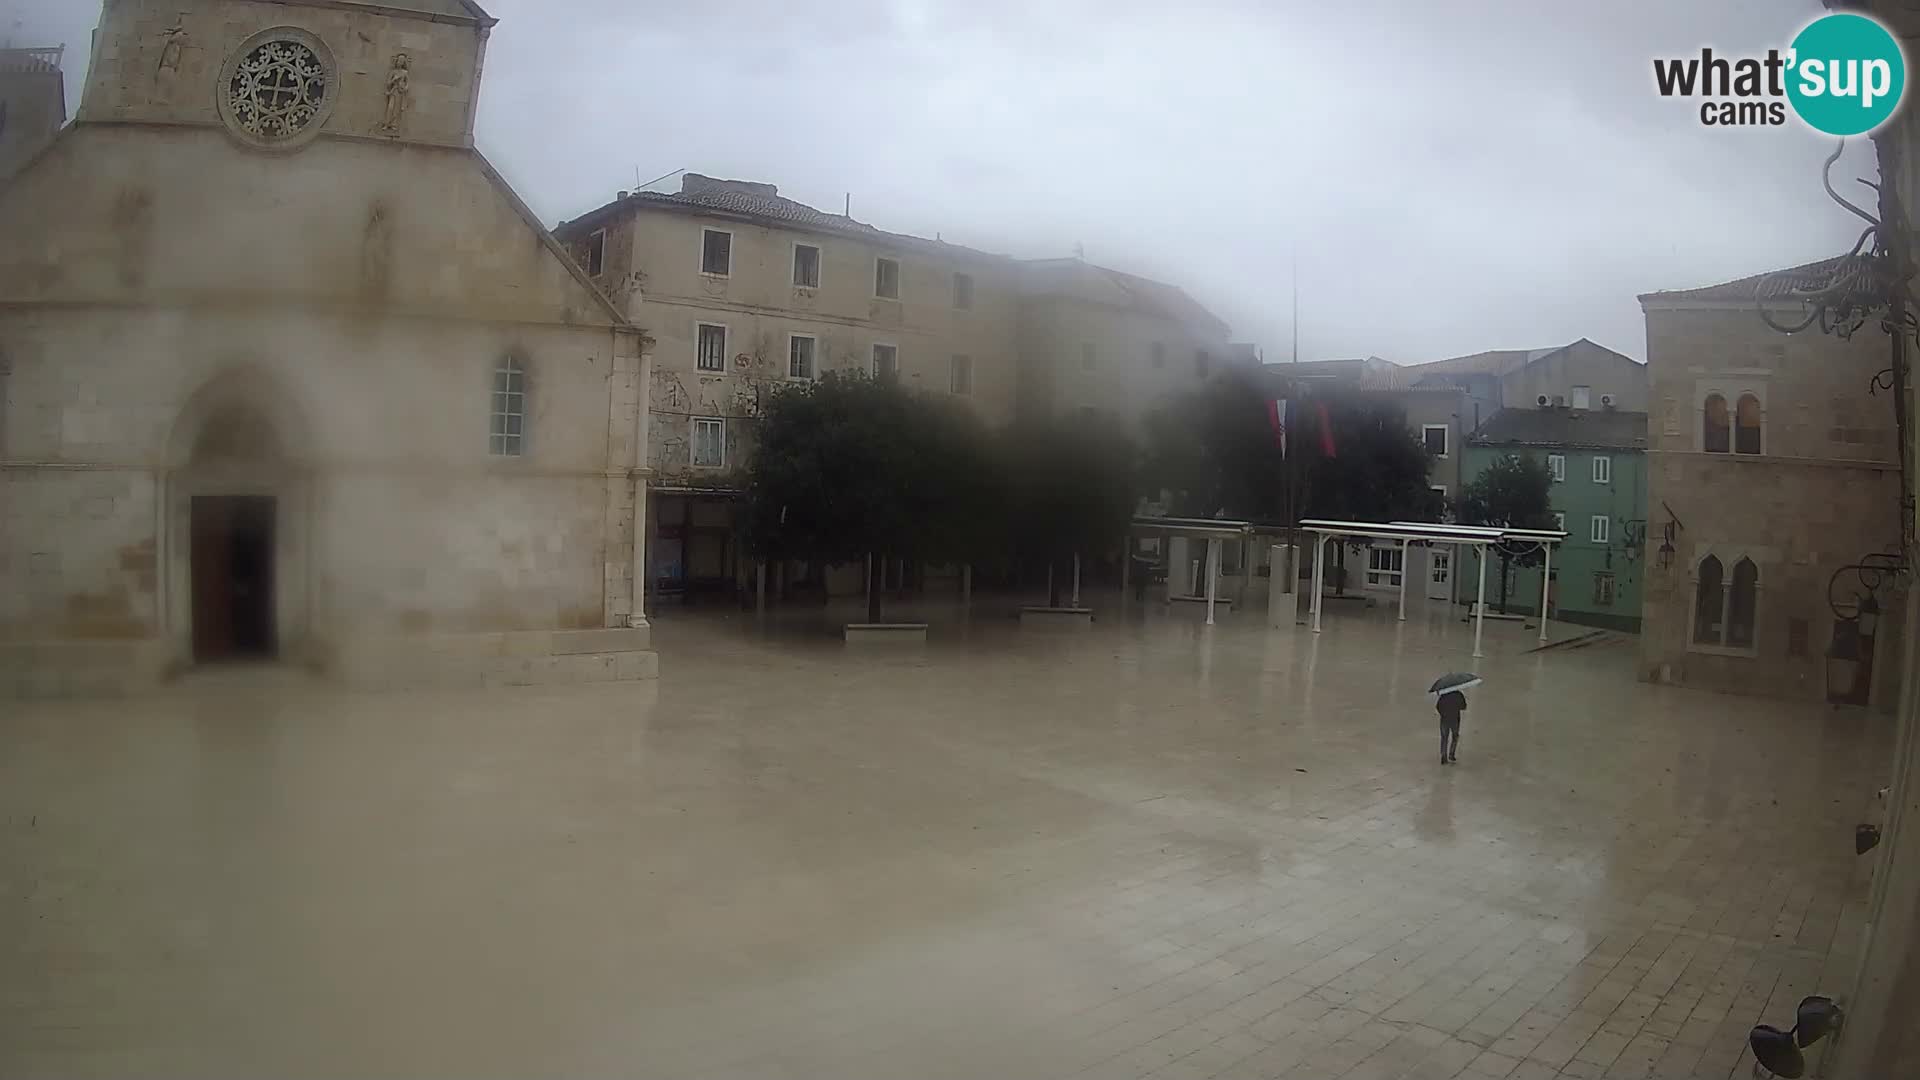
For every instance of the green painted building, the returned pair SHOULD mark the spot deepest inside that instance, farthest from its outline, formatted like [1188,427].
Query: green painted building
[1599,464]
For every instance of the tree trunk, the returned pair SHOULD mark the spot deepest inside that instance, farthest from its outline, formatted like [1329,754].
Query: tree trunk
[876,582]
[1340,568]
[1503,583]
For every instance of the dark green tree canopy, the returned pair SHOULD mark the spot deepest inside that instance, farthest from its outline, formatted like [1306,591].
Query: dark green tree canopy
[1071,483]
[1515,492]
[1216,452]
[851,465]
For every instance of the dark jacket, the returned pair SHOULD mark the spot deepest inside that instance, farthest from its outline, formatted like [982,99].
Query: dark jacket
[1451,705]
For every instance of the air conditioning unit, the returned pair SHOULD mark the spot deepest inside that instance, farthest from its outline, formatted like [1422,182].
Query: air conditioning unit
[1559,400]
[1541,401]
[1606,401]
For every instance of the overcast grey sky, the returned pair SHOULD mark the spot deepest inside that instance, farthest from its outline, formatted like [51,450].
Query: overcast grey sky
[1454,177]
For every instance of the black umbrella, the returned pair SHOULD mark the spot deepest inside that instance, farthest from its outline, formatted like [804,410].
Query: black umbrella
[1454,680]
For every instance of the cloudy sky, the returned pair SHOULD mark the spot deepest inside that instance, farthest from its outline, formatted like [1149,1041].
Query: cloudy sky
[1451,177]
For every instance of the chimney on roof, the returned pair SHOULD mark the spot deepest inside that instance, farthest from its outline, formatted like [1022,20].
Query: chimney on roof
[695,184]
[623,196]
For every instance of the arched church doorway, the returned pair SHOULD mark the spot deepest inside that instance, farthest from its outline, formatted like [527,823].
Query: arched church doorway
[231,542]
[238,499]
[233,572]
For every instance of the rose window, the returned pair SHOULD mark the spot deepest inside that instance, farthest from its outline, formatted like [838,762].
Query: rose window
[277,90]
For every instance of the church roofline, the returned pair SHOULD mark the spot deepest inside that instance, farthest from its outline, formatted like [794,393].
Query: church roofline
[475,14]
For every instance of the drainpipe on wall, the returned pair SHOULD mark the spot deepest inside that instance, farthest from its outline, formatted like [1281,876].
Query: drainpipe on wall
[642,425]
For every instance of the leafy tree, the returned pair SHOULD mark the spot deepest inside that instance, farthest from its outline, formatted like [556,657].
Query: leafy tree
[849,467]
[1378,471]
[1514,492]
[1071,485]
[1215,451]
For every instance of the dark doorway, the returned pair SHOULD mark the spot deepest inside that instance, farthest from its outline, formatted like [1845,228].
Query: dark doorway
[233,577]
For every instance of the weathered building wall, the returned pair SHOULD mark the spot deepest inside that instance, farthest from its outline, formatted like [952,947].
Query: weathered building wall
[1823,493]
[187,316]
[1128,376]
[760,308]
[163,61]
[1581,364]
[33,100]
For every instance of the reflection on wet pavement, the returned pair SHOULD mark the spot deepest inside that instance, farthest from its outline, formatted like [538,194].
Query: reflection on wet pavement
[1147,850]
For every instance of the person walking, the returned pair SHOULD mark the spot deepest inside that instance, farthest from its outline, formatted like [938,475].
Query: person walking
[1450,706]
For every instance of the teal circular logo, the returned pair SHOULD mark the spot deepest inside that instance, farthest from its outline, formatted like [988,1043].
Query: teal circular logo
[1846,74]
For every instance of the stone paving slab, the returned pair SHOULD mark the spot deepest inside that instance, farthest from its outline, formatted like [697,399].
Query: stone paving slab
[1154,849]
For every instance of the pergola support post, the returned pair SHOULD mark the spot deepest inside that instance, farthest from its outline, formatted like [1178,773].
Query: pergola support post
[1406,568]
[1480,603]
[1319,575]
[1546,579]
[1213,575]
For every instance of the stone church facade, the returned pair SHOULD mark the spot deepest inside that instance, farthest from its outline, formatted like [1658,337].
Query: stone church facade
[288,371]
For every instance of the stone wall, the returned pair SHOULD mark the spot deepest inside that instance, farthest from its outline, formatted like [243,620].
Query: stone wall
[162,60]
[184,316]
[1824,493]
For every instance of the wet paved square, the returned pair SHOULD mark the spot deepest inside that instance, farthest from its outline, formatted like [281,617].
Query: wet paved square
[1149,850]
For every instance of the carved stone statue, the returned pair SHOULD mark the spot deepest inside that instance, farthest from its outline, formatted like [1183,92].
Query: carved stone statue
[173,47]
[399,78]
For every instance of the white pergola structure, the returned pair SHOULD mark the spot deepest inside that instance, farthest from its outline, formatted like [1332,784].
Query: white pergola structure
[1410,532]
[1212,530]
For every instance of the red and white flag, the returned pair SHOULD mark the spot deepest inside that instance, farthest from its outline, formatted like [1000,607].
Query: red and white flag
[1277,416]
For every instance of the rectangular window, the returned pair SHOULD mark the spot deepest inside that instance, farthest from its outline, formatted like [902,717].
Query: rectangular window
[1597,528]
[1603,590]
[886,362]
[1086,355]
[960,376]
[1435,436]
[506,437]
[1159,355]
[1603,470]
[1384,566]
[800,356]
[806,266]
[710,347]
[1560,521]
[596,260]
[886,279]
[1557,465]
[709,442]
[716,252]
[1582,397]
[963,291]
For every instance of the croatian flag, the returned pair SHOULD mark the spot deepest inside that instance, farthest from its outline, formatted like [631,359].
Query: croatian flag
[1277,416]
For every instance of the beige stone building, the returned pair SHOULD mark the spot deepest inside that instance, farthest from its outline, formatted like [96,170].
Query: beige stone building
[1772,471]
[745,290]
[292,373]
[33,103]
